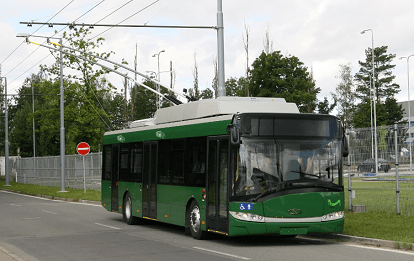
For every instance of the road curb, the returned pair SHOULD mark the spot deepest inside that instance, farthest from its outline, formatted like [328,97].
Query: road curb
[355,239]
[54,198]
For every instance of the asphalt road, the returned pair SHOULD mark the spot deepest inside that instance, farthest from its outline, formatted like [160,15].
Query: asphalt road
[33,229]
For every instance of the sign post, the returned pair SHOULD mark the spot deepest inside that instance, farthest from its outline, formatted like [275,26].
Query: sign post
[83,149]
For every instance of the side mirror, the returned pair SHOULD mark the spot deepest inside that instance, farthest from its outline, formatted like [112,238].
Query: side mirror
[234,135]
[345,147]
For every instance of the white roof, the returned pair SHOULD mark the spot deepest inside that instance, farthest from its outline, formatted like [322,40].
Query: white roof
[223,106]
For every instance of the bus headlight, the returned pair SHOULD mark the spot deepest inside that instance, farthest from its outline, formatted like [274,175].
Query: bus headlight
[247,216]
[333,216]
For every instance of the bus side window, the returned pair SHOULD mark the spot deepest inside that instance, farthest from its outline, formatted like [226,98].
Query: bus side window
[106,174]
[164,166]
[136,162]
[195,173]
[177,161]
[123,163]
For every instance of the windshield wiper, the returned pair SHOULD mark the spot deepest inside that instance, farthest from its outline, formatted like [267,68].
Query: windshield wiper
[264,193]
[327,186]
[307,174]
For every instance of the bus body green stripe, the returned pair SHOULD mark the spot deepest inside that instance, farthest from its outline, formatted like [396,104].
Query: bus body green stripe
[186,131]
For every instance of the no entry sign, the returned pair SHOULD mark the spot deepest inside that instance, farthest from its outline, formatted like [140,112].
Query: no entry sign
[83,148]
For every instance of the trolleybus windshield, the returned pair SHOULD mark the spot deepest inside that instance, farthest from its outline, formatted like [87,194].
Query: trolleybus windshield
[267,163]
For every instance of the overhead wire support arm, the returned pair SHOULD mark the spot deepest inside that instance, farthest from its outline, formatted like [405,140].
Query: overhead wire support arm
[124,67]
[112,70]
[124,25]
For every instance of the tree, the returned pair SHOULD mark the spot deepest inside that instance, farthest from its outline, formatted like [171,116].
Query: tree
[267,43]
[207,94]
[344,95]
[384,85]
[246,49]
[85,117]
[388,111]
[144,101]
[274,75]
[236,87]
[214,84]
[324,107]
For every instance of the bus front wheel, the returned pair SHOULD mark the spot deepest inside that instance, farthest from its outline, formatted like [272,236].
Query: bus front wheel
[195,221]
[127,211]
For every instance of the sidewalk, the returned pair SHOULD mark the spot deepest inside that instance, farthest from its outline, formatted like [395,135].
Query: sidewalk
[355,239]
[6,255]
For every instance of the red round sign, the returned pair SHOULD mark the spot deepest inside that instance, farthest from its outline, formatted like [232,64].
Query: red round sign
[83,148]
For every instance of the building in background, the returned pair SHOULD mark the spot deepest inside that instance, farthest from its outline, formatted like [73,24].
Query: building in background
[410,121]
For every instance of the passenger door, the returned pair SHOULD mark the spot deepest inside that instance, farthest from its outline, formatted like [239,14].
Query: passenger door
[115,178]
[149,181]
[217,185]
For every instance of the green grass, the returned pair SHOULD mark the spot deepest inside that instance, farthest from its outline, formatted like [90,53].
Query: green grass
[381,220]
[380,225]
[74,194]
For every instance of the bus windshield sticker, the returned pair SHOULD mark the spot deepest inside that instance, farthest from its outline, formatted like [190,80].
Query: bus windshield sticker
[160,134]
[246,206]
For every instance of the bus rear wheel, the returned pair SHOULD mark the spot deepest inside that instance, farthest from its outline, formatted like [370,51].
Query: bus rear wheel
[195,221]
[127,211]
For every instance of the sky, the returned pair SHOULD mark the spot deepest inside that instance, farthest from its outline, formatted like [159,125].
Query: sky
[322,33]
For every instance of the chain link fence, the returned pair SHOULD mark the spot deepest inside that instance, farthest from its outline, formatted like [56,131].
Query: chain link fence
[379,191]
[45,171]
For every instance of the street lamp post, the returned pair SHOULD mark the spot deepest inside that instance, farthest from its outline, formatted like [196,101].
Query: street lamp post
[409,107]
[375,103]
[6,142]
[62,112]
[158,77]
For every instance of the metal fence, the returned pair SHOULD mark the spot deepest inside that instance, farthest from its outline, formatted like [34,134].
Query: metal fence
[45,171]
[379,191]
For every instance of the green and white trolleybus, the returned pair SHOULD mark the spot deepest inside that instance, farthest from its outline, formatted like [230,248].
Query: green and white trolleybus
[234,166]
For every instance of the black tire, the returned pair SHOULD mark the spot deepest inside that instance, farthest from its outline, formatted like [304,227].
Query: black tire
[195,221]
[127,211]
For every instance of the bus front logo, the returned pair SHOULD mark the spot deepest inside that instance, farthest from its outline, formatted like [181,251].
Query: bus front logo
[294,211]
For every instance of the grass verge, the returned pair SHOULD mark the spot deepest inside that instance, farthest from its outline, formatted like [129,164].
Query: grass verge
[380,225]
[72,194]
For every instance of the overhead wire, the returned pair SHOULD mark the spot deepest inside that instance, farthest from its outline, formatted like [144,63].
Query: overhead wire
[67,11]
[114,11]
[91,39]
[33,33]
[159,12]
[51,36]
[126,19]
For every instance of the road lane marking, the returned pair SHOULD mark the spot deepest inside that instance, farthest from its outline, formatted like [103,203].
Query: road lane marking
[31,218]
[99,224]
[16,205]
[50,212]
[384,249]
[221,253]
